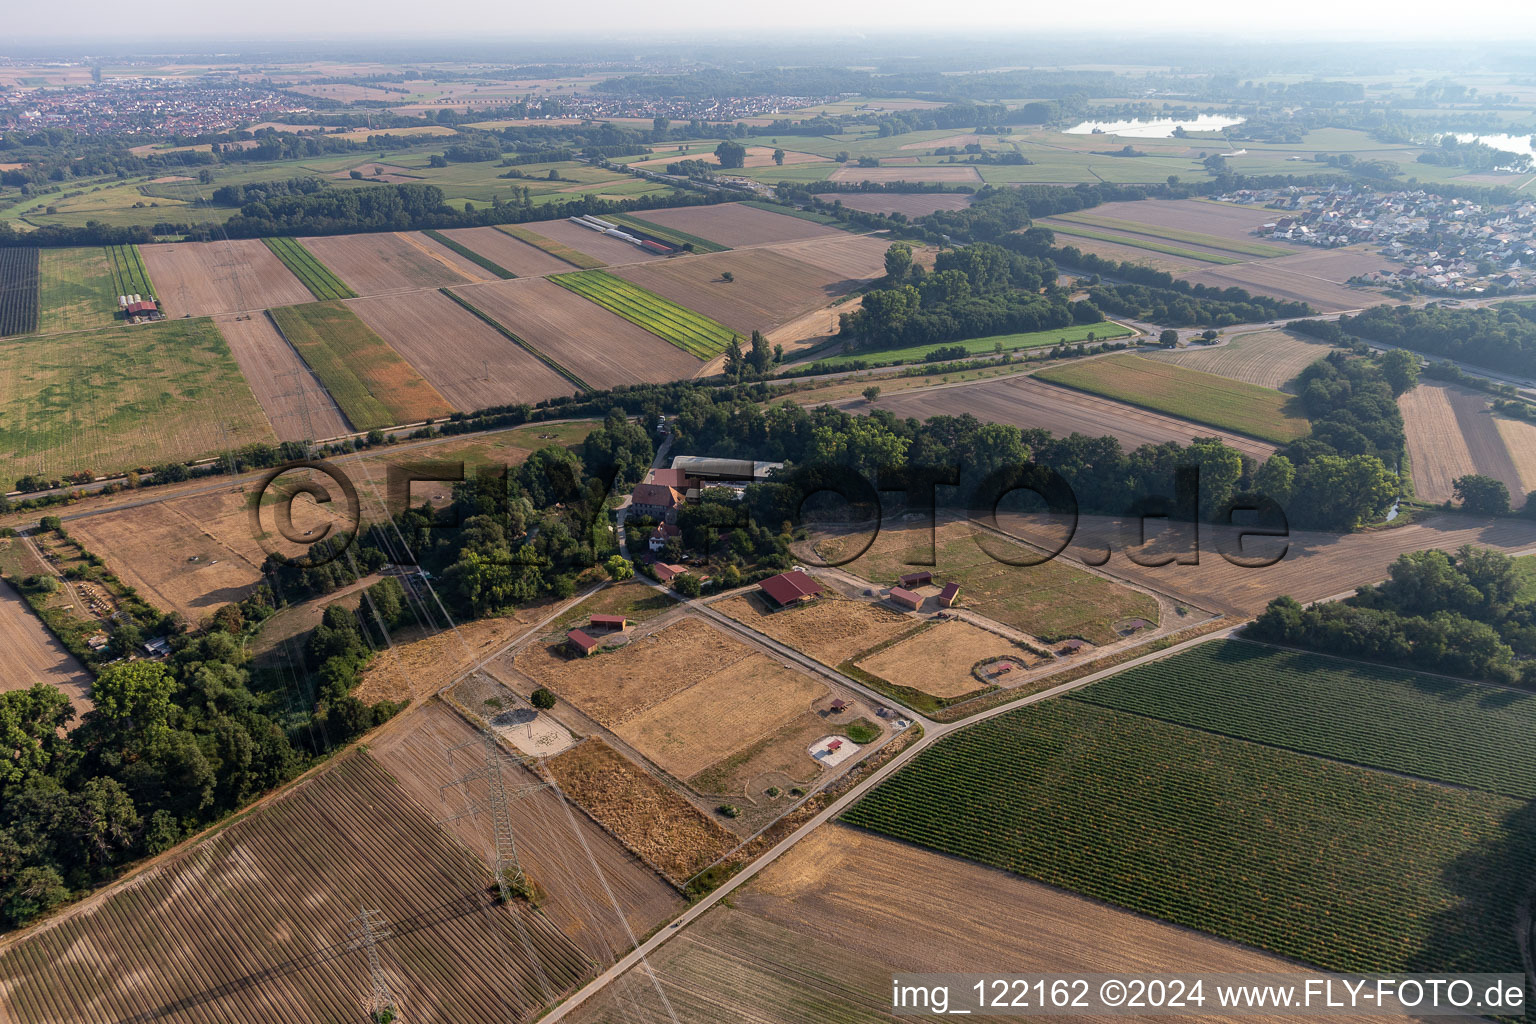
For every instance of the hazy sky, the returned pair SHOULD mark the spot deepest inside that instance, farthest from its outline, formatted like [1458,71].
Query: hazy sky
[488,19]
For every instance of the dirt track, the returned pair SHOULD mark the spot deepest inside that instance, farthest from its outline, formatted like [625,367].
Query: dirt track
[298,408]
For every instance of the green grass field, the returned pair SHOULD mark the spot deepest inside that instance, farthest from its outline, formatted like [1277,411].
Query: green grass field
[1132,227]
[470,254]
[76,289]
[369,381]
[1191,394]
[306,266]
[692,332]
[1468,734]
[1343,867]
[671,236]
[1140,242]
[985,346]
[549,245]
[118,398]
[129,277]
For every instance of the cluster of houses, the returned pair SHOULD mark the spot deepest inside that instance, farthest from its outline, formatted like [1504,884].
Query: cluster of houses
[154,106]
[665,491]
[1444,245]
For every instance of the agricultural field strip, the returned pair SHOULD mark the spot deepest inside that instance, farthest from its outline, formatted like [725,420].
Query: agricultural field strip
[1137,242]
[1291,853]
[1436,728]
[670,235]
[19,290]
[307,268]
[1192,394]
[1176,235]
[128,273]
[692,332]
[469,254]
[552,247]
[519,342]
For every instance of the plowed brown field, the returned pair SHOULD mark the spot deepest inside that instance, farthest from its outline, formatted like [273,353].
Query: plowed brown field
[231,276]
[736,225]
[600,348]
[376,264]
[298,408]
[770,289]
[463,357]
[505,251]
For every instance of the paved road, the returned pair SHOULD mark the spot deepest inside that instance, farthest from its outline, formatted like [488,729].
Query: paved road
[932,734]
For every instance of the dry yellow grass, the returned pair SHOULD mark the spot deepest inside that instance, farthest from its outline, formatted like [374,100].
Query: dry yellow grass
[418,668]
[724,713]
[829,629]
[939,660]
[615,686]
[1520,438]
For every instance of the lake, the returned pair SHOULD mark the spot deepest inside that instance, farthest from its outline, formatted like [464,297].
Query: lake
[1144,128]
[1507,143]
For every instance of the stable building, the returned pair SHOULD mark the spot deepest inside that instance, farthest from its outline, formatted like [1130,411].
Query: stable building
[915,579]
[789,588]
[608,623]
[580,643]
[906,598]
[949,595]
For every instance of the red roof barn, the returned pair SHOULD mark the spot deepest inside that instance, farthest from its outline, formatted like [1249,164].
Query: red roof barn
[580,642]
[609,622]
[916,579]
[789,588]
[906,597]
[949,594]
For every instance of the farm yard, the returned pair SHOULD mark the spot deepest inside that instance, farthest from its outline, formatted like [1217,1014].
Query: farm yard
[377,264]
[301,866]
[667,831]
[507,251]
[129,276]
[295,404]
[75,290]
[581,869]
[1452,432]
[1191,394]
[230,276]
[1267,359]
[1440,729]
[1027,402]
[314,275]
[18,290]
[479,369]
[371,384]
[693,333]
[600,348]
[769,288]
[737,224]
[911,205]
[1346,868]
[33,655]
[113,399]
[828,901]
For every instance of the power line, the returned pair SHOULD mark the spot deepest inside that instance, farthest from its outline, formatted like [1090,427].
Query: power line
[371,931]
[510,880]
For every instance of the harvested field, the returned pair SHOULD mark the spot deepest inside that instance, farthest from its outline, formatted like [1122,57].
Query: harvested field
[953,141]
[930,172]
[602,349]
[1052,601]
[1270,359]
[375,170]
[610,251]
[581,868]
[830,629]
[1223,220]
[695,334]
[377,264]
[231,276]
[721,714]
[850,257]
[1451,432]
[296,404]
[1178,265]
[32,655]
[115,399]
[616,686]
[480,369]
[502,249]
[661,826]
[939,660]
[75,290]
[770,289]
[757,156]
[913,205]
[564,253]
[456,260]
[737,225]
[828,901]
[1027,402]
[369,381]
[256,917]
[1520,441]
[1178,391]
[1315,277]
